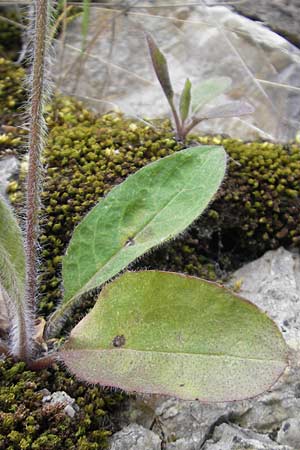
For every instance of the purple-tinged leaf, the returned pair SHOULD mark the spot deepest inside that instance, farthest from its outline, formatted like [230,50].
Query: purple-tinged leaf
[161,68]
[233,109]
[165,333]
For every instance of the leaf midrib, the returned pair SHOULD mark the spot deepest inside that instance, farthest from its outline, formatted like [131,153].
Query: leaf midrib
[190,354]
[142,229]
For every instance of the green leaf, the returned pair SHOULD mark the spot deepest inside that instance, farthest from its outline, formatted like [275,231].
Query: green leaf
[185,100]
[208,90]
[232,109]
[160,66]
[160,332]
[12,256]
[153,205]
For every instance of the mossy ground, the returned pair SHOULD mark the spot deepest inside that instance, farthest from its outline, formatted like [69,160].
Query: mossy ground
[28,423]
[12,97]
[256,209]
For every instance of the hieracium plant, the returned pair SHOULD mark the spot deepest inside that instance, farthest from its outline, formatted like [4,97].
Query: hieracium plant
[192,108]
[149,331]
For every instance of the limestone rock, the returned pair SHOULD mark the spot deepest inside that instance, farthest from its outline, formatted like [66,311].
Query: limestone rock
[230,437]
[267,412]
[273,283]
[289,433]
[61,397]
[135,437]
[199,43]
[193,443]
[8,167]
[282,16]
[179,420]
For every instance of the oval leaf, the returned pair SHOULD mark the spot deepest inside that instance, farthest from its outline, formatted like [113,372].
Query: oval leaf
[160,66]
[185,100]
[160,332]
[12,256]
[153,205]
[208,90]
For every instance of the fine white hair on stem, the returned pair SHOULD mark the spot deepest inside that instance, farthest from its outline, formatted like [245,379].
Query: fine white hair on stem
[38,50]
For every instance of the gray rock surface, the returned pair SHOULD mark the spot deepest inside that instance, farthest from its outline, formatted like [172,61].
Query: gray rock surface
[193,443]
[268,422]
[273,283]
[199,42]
[192,421]
[230,437]
[266,413]
[289,433]
[280,15]
[8,167]
[135,437]
[61,397]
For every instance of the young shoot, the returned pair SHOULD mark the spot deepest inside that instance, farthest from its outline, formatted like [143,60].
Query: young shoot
[191,109]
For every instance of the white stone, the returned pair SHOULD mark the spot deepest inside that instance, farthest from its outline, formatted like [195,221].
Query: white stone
[62,398]
[273,283]
[135,437]
[70,411]
[8,166]
[199,43]
[230,437]
[289,433]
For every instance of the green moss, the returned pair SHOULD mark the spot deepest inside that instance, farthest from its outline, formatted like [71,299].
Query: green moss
[257,205]
[86,155]
[255,210]
[12,95]
[28,423]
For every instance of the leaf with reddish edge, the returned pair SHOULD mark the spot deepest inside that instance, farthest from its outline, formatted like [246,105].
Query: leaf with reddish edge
[165,333]
[150,207]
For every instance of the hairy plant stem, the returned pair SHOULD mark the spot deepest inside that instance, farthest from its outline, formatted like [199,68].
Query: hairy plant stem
[176,119]
[189,127]
[36,132]
[43,363]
